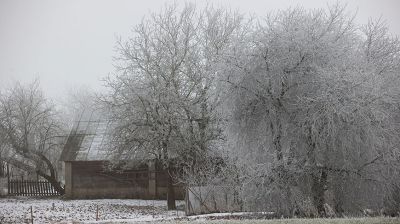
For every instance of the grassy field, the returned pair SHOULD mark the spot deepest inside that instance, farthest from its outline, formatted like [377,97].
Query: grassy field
[299,221]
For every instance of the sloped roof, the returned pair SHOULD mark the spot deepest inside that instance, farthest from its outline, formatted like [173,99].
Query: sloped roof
[87,140]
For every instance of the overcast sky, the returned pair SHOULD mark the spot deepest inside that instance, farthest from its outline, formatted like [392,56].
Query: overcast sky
[69,44]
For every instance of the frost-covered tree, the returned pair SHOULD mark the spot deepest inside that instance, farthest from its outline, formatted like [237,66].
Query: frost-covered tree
[314,109]
[163,99]
[31,131]
[310,100]
[80,100]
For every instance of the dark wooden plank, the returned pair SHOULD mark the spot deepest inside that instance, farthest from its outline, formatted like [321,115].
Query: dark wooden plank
[14,186]
[28,191]
[30,188]
[43,191]
[27,187]
[37,188]
[23,187]
[43,188]
[47,189]
[33,183]
[10,187]
[54,190]
[18,187]
[40,188]
[31,192]
[51,189]
[34,188]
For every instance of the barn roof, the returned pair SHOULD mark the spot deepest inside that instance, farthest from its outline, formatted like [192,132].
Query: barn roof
[87,140]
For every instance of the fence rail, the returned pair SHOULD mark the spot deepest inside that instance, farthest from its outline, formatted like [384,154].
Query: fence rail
[31,188]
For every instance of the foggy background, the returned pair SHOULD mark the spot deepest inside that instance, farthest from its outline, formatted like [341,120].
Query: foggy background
[70,44]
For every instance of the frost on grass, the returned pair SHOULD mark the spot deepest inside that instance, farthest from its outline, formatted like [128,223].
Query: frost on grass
[17,210]
[380,220]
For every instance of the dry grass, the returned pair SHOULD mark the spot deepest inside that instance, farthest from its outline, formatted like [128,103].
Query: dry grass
[379,220]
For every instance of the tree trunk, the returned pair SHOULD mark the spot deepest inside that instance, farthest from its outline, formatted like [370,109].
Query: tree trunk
[43,173]
[171,192]
[319,177]
[53,181]
[52,177]
[318,191]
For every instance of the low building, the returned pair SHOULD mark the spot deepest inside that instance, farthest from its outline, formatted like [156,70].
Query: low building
[87,173]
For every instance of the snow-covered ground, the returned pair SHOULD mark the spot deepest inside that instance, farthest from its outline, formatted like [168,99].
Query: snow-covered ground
[17,210]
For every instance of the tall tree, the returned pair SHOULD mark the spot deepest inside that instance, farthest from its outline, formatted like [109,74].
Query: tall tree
[163,99]
[31,131]
[312,103]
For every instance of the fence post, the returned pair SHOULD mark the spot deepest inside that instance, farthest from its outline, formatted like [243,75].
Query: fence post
[154,209]
[9,187]
[30,191]
[34,185]
[42,183]
[31,215]
[8,178]
[41,188]
[23,186]
[18,187]
[97,213]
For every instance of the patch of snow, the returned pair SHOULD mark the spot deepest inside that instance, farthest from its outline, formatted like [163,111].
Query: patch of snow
[17,210]
[200,218]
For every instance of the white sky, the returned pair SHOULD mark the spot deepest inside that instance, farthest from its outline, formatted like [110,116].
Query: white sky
[69,44]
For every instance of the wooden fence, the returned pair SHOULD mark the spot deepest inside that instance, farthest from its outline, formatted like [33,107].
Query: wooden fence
[31,188]
[211,199]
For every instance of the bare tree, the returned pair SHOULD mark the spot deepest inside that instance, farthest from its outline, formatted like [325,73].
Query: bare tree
[79,100]
[30,128]
[164,99]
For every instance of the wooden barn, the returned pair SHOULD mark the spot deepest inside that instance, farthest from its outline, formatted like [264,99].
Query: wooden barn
[86,172]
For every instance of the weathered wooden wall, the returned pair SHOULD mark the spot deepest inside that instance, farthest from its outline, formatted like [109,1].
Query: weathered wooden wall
[87,179]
